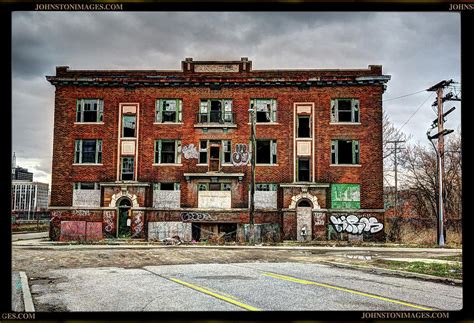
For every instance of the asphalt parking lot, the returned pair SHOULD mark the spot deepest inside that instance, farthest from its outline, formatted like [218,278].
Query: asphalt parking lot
[252,286]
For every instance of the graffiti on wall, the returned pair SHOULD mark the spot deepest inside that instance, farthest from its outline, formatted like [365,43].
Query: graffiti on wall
[137,223]
[241,155]
[319,218]
[197,216]
[190,152]
[354,225]
[56,213]
[81,212]
[109,221]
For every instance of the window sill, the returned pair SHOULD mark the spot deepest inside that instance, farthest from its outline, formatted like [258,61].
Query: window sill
[215,125]
[89,122]
[303,138]
[266,165]
[155,164]
[168,123]
[265,123]
[87,164]
[345,165]
[345,123]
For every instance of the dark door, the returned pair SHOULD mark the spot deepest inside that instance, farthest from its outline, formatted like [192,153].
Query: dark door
[214,158]
[125,221]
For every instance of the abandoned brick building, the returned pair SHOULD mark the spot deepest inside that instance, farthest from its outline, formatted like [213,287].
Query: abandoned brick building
[158,154]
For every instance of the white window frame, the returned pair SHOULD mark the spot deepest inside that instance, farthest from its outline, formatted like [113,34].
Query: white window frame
[355,152]
[78,149]
[355,110]
[177,151]
[254,103]
[159,109]
[80,106]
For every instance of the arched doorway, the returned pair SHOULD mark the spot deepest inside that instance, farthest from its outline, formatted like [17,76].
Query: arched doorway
[304,220]
[124,219]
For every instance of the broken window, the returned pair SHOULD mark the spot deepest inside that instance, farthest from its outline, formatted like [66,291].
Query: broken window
[226,151]
[304,129]
[265,187]
[345,152]
[88,151]
[127,169]
[169,110]
[166,186]
[89,110]
[215,151]
[266,152]
[167,152]
[215,111]
[203,152]
[265,109]
[303,170]
[344,110]
[129,124]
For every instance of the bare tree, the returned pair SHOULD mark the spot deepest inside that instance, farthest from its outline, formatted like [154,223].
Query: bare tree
[419,164]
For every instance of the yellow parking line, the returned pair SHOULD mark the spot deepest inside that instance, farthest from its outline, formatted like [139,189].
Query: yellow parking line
[216,295]
[308,282]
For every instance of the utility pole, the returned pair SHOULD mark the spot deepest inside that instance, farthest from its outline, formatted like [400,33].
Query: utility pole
[252,177]
[395,162]
[439,122]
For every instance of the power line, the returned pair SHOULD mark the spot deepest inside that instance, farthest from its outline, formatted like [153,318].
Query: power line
[416,111]
[403,96]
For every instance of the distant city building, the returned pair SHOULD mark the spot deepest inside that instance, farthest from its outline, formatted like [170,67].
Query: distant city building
[28,198]
[20,173]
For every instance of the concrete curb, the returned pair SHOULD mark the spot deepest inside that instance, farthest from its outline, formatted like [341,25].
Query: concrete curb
[25,289]
[391,272]
[62,245]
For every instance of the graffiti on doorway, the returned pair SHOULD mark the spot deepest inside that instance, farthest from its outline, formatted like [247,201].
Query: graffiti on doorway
[109,221]
[137,227]
[241,155]
[190,152]
[354,225]
[197,216]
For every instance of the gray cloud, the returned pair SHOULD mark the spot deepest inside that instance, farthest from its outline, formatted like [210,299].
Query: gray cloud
[417,49]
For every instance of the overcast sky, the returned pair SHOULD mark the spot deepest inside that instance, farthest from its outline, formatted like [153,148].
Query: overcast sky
[417,49]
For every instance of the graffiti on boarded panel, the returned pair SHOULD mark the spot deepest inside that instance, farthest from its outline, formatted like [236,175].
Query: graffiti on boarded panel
[355,225]
[241,155]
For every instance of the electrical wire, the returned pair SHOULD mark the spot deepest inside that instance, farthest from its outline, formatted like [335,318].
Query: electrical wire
[403,96]
[418,109]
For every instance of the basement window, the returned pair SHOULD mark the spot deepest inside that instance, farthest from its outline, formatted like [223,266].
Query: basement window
[169,110]
[214,186]
[344,110]
[166,186]
[266,152]
[89,110]
[265,109]
[265,187]
[86,186]
[167,151]
[88,151]
[345,152]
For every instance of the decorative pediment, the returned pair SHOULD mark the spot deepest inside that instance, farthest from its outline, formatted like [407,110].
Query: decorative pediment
[123,193]
[304,196]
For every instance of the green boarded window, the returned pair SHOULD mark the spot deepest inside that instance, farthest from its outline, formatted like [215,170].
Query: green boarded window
[345,196]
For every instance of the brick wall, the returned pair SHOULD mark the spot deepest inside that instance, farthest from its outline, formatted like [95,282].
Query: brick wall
[369,175]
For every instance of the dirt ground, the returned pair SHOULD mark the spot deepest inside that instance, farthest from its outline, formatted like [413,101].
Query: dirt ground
[36,261]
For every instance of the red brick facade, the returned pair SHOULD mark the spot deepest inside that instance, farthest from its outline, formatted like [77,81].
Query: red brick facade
[314,87]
